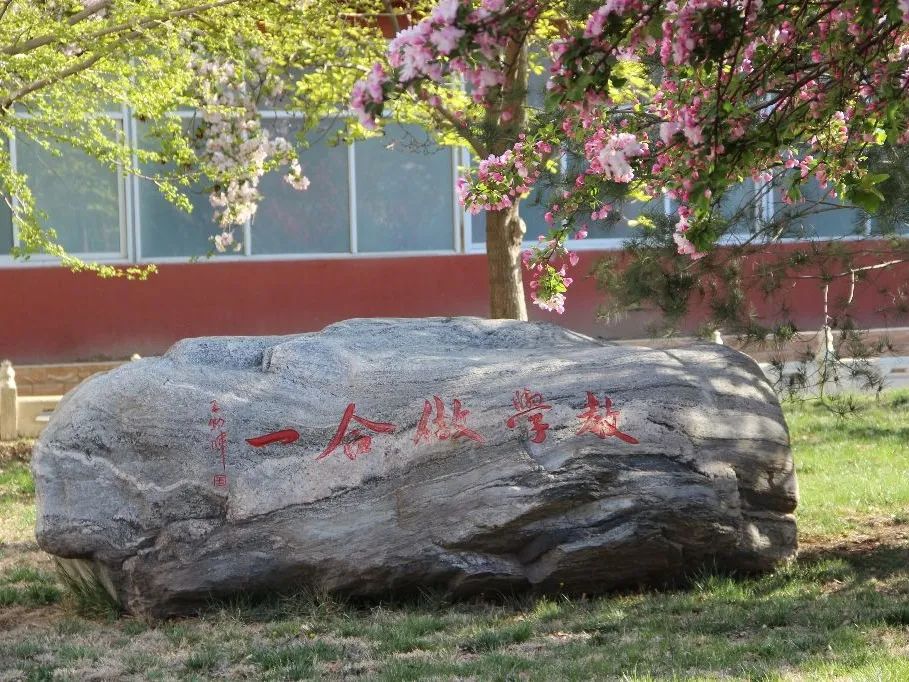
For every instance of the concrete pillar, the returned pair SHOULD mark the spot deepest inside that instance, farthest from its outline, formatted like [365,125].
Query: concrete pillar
[826,348]
[9,408]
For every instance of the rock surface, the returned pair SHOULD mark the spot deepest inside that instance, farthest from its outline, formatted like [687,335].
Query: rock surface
[146,476]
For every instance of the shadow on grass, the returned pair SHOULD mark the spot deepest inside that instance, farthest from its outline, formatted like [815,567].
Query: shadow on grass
[869,559]
[876,432]
[827,614]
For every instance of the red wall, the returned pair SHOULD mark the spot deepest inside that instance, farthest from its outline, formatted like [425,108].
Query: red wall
[48,314]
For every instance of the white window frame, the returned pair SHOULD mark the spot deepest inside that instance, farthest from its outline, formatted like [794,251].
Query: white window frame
[136,212]
[249,233]
[122,257]
[462,223]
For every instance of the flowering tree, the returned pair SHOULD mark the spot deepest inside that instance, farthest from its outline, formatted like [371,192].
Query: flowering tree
[469,69]
[648,98]
[62,62]
[682,98]
[65,62]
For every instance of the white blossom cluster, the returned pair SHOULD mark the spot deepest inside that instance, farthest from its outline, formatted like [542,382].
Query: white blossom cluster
[236,150]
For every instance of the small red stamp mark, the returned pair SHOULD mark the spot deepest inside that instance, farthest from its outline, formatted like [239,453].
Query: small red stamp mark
[220,481]
[529,404]
[444,430]
[357,442]
[602,425]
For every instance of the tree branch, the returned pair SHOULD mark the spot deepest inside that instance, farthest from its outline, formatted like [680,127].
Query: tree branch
[462,129]
[133,25]
[50,80]
[5,7]
[48,38]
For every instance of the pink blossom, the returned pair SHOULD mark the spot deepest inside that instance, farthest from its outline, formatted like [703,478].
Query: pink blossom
[685,247]
[614,156]
[223,240]
[493,5]
[446,11]
[556,303]
[595,23]
[446,38]
[668,129]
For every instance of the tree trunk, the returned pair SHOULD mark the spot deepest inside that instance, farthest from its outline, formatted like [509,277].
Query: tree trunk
[504,229]
[504,235]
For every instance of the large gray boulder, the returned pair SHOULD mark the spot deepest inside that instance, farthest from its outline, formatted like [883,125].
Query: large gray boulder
[381,456]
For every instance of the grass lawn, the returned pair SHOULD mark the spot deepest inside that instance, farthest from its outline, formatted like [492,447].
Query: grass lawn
[841,611]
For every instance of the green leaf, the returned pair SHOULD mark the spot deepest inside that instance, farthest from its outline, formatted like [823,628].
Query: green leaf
[869,200]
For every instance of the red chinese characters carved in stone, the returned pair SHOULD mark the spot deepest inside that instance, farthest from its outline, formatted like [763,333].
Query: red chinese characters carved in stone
[357,442]
[216,426]
[602,425]
[531,405]
[219,444]
[285,437]
[443,430]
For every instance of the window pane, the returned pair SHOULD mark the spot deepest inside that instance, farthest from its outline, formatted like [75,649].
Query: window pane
[316,220]
[405,193]
[739,204]
[6,219]
[618,226]
[878,228]
[536,86]
[165,229]
[6,228]
[824,220]
[79,195]
[478,228]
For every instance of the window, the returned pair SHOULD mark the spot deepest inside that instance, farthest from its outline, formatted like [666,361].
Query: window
[876,229]
[69,178]
[6,229]
[828,217]
[405,193]
[164,229]
[404,199]
[316,220]
[740,204]
[390,194]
